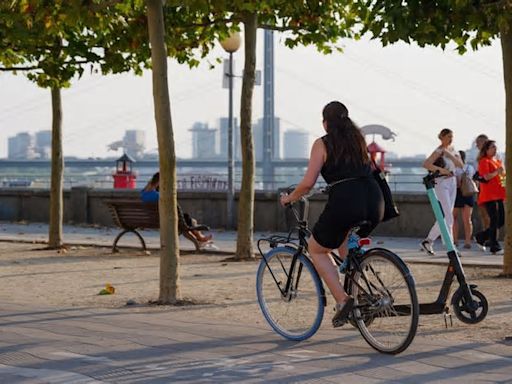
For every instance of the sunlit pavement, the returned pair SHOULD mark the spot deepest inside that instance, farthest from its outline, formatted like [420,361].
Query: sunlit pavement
[141,345]
[132,345]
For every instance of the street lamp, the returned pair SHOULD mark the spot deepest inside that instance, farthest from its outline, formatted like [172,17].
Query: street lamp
[231,45]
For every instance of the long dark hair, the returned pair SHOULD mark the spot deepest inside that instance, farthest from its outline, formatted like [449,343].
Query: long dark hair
[463,156]
[153,183]
[485,148]
[345,145]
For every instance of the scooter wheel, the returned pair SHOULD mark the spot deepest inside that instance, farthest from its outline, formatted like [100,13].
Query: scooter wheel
[467,313]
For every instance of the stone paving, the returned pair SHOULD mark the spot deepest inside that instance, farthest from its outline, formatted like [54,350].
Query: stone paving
[143,345]
[71,345]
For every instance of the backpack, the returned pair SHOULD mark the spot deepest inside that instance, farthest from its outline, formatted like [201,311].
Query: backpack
[467,185]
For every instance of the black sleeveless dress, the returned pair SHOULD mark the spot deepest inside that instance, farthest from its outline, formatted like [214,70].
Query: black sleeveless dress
[350,202]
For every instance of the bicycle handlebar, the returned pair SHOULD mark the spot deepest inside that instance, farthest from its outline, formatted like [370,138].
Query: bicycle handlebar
[429,179]
[304,199]
[311,192]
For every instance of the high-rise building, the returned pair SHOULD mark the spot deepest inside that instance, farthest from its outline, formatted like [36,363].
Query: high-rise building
[258,139]
[44,144]
[203,141]
[276,139]
[134,143]
[223,138]
[296,144]
[21,147]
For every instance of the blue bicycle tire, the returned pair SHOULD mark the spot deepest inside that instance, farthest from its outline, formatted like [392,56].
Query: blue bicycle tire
[296,318]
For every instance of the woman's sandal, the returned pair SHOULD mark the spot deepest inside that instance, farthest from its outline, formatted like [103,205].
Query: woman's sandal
[342,312]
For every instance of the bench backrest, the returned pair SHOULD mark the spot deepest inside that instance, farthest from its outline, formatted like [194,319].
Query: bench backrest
[133,214]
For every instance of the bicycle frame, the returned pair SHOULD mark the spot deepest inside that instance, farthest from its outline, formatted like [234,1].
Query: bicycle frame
[303,232]
[454,266]
[302,248]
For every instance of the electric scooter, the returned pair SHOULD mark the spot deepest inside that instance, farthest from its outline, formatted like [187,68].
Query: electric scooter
[469,305]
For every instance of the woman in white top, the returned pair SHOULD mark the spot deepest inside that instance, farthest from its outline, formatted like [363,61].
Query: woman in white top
[463,204]
[446,160]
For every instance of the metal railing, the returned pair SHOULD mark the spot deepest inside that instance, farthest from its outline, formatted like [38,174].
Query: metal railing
[194,181]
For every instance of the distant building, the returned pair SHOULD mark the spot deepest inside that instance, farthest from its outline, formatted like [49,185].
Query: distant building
[21,147]
[296,144]
[223,138]
[203,141]
[43,145]
[258,139]
[134,143]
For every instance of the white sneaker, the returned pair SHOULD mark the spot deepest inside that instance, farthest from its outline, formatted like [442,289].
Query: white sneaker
[209,246]
[426,245]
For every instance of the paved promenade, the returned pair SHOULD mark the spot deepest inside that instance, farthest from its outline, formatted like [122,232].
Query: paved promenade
[70,345]
[225,241]
[182,345]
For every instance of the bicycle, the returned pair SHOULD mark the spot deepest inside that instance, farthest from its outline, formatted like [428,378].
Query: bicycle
[292,297]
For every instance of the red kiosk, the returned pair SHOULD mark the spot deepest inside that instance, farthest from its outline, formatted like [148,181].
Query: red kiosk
[124,177]
[377,154]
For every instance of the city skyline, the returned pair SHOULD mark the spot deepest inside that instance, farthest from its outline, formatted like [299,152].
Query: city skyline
[207,143]
[415,92]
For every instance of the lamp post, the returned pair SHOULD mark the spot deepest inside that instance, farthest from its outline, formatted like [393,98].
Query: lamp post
[231,45]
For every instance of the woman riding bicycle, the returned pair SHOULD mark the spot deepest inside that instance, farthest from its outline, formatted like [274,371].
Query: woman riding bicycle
[341,156]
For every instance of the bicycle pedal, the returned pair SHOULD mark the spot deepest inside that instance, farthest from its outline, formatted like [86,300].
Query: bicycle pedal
[338,323]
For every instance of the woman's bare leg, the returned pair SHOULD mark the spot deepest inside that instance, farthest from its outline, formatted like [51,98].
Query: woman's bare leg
[468,224]
[326,268]
[456,224]
[343,249]
[201,237]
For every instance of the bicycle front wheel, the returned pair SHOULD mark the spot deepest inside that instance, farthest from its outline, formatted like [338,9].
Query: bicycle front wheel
[295,313]
[386,308]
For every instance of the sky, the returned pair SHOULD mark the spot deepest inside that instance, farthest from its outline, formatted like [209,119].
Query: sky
[413,91]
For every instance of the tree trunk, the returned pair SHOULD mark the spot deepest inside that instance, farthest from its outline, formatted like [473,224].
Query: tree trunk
[506,46]
[244,244]
[169,250]
[56,200]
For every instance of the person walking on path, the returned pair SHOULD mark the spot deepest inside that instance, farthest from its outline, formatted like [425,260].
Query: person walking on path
[492,195]
[445,159]
[463,205]
[482,211]
[341,156]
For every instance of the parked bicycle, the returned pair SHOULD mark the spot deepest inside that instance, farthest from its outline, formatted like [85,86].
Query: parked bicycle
[292,297]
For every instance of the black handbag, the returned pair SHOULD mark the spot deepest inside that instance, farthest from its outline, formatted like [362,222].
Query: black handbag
[390,208]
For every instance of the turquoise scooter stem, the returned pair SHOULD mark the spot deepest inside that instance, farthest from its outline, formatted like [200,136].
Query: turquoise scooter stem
[438,213]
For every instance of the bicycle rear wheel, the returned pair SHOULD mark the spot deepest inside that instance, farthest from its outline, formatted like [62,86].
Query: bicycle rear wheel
[296,314]
[386,308]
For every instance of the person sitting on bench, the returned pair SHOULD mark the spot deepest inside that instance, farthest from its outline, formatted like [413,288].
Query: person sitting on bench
[151,194]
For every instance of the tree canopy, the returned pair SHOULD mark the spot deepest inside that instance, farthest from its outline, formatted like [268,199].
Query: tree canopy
[467,23]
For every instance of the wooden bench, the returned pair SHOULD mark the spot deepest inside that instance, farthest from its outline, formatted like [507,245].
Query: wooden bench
[133,215]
